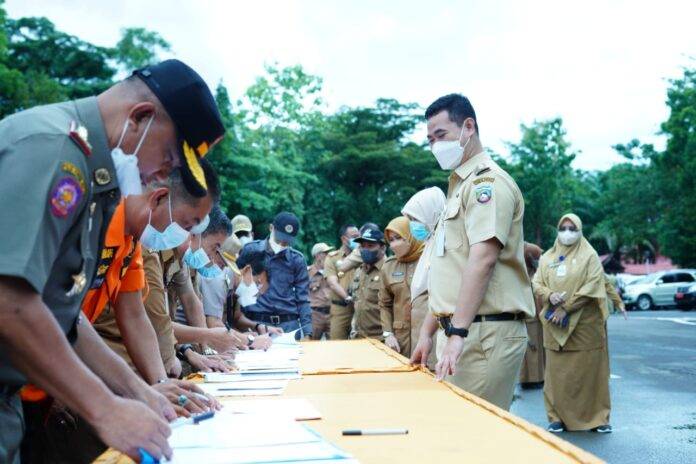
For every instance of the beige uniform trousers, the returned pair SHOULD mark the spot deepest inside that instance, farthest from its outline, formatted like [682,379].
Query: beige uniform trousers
[490,362]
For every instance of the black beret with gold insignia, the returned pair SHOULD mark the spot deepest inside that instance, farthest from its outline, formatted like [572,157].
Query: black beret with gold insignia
[188,101]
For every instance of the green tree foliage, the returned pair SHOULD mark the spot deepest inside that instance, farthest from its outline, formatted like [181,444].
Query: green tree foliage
[138,47]
[675,167]
[40,64]
[285,151]
[540,163]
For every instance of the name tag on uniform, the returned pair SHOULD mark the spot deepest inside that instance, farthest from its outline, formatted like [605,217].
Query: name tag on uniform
[561,270]
[397,274]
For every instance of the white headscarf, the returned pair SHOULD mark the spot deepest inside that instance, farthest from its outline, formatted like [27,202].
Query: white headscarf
[425,206]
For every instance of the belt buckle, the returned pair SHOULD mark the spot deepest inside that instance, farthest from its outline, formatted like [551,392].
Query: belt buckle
[275,320]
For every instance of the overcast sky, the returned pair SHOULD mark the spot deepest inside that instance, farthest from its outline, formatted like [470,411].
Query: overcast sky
[602,66]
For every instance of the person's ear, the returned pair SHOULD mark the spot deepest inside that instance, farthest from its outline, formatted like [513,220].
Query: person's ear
[468,130]
[140,115]
[157,196]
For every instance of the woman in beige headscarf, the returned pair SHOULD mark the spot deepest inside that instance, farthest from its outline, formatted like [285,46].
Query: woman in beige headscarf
[395,292]
[570,282]
[423,210]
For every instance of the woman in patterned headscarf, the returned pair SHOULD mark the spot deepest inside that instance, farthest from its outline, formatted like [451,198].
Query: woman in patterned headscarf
[395,292]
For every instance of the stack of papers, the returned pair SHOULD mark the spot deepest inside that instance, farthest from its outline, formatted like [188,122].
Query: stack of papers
[245,388]
[249,439]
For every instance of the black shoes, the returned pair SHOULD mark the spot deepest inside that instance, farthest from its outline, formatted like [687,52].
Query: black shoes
[602,429]
[556,427]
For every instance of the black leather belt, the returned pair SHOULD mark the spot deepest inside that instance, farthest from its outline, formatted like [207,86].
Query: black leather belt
[444,321]
[271,319]
[339,303]
[322,309]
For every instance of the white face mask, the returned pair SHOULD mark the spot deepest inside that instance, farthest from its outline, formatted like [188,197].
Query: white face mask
[449,153]
[568,237]
[245,239]
[127,171]
[173,236]
[275,246]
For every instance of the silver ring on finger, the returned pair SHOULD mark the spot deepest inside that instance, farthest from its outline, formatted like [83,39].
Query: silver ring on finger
[182,400]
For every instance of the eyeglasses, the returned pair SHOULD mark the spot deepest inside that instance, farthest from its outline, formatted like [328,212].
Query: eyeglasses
[568,229]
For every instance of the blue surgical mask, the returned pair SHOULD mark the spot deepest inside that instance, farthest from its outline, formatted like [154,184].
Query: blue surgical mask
[418,230]
[352,244]
[210,272]
[201,226]
[369,256]
[173,236]
[196,259]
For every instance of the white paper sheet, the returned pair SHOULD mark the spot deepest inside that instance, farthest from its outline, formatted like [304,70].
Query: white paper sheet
[251,388]
[228,430]
[296,409]
[213,377]
[287,338]
[313,453]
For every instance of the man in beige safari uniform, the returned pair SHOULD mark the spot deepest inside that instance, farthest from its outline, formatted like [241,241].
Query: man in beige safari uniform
[479,289]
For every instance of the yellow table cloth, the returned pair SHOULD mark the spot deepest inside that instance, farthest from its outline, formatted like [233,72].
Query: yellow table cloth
[445,424]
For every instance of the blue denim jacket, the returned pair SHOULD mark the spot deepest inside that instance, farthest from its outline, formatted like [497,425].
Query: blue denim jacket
[288,286]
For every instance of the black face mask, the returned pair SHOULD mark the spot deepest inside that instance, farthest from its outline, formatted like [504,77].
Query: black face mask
[369,256]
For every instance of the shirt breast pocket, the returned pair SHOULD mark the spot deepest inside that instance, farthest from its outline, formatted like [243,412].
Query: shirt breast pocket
[373,290]
[453,228]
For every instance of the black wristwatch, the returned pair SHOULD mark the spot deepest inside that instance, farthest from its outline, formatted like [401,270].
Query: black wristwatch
[451,330]
[181,351]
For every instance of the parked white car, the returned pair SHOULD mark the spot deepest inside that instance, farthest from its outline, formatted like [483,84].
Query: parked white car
[657,289]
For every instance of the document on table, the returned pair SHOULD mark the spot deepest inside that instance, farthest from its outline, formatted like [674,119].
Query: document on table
[278,374]
[313,453]
[287,338]
[299,409]
[246,388]
[233,438]
[229,430]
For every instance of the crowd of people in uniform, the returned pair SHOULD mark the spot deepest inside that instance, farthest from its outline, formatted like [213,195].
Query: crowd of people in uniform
[120,274]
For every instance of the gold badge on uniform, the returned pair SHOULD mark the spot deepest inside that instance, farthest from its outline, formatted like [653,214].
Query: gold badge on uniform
[102,176]
[79,285]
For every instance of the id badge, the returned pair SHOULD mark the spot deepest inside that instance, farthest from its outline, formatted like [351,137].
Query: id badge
[561,270]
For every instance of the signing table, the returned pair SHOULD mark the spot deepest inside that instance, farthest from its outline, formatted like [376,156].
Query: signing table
[363,384]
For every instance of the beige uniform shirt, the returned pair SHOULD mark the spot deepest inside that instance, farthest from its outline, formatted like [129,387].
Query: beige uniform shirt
[368,319]
[483,202]
[395,301]
[344,278]
[318,288]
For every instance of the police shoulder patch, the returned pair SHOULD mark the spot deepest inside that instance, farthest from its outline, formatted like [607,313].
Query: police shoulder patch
[73,170]
[65,196]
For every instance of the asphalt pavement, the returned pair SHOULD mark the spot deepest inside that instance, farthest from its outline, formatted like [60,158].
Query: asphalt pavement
[653,391]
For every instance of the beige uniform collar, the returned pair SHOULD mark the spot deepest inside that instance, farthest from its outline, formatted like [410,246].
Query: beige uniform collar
[467,168]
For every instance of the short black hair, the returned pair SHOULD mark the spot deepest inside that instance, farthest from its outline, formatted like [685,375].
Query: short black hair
[344,228]
[219,222]
[368,225]
[458,108]
[211,179]
[253,254]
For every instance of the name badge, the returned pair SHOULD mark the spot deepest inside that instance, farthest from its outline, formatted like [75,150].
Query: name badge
[561,270]
[397,274]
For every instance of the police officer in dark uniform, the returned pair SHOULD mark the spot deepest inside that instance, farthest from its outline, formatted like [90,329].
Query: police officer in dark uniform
[63,168]
[285,303]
